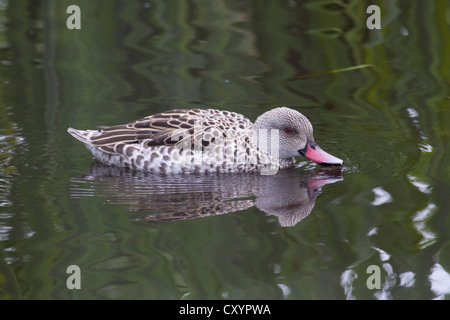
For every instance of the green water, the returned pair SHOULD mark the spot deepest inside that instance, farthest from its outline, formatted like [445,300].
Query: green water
[226,237]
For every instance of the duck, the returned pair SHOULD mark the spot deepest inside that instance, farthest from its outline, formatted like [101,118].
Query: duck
[206,141]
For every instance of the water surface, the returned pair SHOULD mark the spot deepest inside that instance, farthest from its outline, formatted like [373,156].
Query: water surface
[305,234]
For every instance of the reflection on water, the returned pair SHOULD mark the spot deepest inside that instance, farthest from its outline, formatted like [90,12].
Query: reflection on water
[288,195]
[438,277]
[390,124]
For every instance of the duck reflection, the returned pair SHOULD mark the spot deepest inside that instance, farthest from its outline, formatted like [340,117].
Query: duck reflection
[289,195]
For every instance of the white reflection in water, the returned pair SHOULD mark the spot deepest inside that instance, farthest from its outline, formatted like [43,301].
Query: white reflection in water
[404,32]
[420,224]
[289,195]
[421,185]
[4,232]
[440,281]
[284,289]
[389,279]
[381,197]
[276,268]
[414,115]
[384,256]
[372,232]
[347,278]
[388,285]
[425,147]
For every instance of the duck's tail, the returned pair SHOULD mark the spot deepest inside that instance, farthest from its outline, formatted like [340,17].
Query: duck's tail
[81,135]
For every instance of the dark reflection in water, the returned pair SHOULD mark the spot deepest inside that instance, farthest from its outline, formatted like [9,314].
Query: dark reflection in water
[288,195]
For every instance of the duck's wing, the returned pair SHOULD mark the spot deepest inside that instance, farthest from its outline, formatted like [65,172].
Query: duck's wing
[168,128]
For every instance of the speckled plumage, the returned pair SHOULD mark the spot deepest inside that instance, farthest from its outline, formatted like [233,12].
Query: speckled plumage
[197,141]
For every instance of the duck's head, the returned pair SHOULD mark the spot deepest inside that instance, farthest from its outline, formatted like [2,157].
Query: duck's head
[295,134]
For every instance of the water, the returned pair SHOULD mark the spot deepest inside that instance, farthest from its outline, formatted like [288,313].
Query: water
[310,233]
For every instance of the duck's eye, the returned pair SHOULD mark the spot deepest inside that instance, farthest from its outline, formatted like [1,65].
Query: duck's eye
[288,130]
